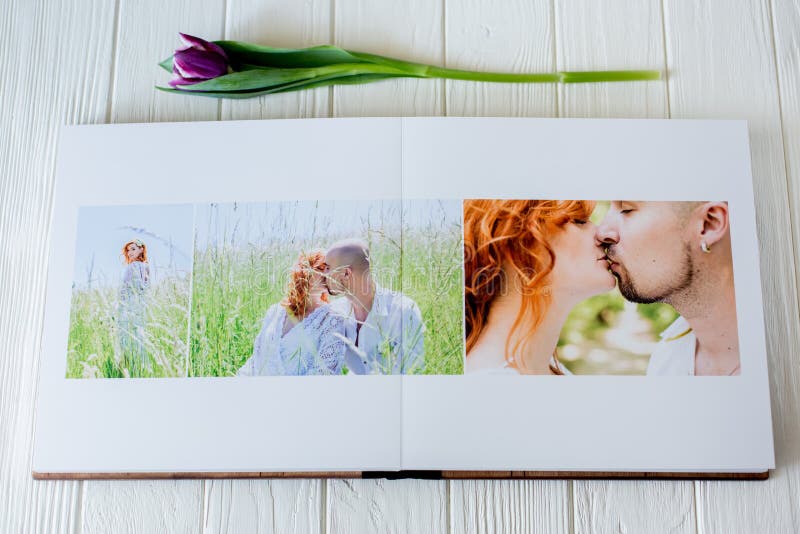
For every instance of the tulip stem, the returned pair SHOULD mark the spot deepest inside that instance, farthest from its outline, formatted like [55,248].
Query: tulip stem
[431,71]
[555,77]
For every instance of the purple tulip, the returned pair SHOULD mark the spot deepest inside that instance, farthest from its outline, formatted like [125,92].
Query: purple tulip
[198,61]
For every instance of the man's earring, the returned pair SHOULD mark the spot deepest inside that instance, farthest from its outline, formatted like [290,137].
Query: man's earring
[704,247]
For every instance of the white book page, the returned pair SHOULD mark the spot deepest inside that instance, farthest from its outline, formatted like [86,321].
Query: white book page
[223,424]
[593,423]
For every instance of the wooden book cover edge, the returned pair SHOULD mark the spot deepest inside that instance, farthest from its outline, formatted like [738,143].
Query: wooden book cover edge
[396,475]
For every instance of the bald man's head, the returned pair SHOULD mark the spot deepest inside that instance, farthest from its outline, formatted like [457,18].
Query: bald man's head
[352,253]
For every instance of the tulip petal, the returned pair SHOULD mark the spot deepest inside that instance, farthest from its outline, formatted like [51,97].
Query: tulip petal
[193,42]
[185,81]
[195,63]
[213,47]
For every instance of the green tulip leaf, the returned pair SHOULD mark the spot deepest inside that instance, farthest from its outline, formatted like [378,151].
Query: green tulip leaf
[166,64]
[253,79]
[293,58]
[355,79]
[288,87]
[266,78]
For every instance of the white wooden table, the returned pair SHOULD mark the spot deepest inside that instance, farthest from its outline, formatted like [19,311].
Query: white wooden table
[94,61]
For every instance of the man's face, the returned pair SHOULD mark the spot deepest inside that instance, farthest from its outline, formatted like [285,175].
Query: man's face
[337,276]
[647,248]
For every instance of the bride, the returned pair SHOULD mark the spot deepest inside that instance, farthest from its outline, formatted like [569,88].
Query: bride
[527,263]
[299,335]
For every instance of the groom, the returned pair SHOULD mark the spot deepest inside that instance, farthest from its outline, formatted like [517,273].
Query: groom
[384,330]
[678,253]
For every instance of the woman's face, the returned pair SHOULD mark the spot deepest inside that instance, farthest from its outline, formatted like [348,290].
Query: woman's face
[580,269]
[134,251]
[318,289]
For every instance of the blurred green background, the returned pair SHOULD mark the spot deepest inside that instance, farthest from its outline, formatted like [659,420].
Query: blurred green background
[606,335]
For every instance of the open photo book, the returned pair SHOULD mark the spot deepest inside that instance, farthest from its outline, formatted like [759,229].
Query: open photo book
[433,297]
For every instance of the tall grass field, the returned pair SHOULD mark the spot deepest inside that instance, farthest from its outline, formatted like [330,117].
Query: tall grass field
[94,348]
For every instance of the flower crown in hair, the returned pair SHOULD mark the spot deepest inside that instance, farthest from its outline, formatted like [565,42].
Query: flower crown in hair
[139,242]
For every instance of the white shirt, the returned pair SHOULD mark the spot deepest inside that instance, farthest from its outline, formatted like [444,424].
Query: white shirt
[391,339]
[674,354]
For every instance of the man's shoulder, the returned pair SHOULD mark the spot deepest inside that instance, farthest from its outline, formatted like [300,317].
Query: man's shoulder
[396,299]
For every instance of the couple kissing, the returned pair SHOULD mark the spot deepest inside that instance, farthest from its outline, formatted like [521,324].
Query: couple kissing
[528,263]
[334,315]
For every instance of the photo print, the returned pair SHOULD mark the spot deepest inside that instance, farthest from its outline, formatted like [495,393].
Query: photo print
[599,288]
[131,283]
[299,288]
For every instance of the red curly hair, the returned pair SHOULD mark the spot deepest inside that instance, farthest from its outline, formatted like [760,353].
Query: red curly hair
[139,243]
[513,235]
[298,299]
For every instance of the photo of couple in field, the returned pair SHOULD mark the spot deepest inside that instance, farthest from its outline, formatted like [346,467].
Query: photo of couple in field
[301,288]
[585,287]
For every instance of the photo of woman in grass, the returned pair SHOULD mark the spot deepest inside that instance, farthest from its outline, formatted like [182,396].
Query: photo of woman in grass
[129,315]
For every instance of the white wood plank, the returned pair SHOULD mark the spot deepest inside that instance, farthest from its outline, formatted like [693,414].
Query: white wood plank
[387,506]
[147,33]
[723,66]
[500,37]
[634,506]
[510,506]
[281,24]
[786,25]
[405,29]
[264,506]
[608,36]
[173,506]
[51,77]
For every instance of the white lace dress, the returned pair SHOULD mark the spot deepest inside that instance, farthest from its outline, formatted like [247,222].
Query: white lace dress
[314,346]
[132,315]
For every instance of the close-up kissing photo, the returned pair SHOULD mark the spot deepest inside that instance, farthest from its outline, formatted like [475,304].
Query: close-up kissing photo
[599,288]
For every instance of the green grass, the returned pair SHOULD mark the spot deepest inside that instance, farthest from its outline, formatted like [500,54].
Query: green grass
[93,345]
[433,278]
